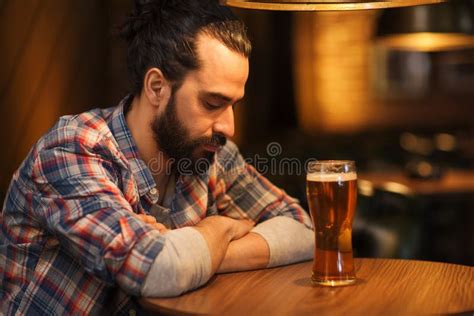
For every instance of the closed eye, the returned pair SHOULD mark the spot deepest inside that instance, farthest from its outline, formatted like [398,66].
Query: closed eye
[215,101]
[211,106]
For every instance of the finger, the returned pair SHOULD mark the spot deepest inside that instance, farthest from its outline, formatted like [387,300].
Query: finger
[161,228]
[150,219]
[159,225]
[140,216]
[147,218]
[163,231]
[248,221]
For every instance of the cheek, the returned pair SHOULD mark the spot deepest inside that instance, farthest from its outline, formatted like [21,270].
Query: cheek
[197,121]
[191,113]
[201,127]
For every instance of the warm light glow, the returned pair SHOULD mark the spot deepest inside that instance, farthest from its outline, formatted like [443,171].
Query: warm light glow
[445,142]
[365,187]
[397,188]
[427,42]
[332,69]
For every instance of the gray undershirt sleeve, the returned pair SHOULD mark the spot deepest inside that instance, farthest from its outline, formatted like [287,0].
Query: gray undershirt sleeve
[183,264]
[289,240]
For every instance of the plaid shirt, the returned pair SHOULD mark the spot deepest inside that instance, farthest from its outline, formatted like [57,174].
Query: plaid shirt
[69,242]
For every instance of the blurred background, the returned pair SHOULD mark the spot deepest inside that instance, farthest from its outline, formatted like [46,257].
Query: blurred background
[332,85]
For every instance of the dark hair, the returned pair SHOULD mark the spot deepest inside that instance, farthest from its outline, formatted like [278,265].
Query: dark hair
[162,34]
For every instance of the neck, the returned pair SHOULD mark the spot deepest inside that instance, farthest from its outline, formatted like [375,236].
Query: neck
[139,118]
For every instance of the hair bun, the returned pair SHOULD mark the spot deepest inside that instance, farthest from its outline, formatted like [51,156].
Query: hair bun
[144,12]
[144,5]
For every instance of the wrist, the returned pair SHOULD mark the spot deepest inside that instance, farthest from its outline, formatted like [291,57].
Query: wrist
[219,226]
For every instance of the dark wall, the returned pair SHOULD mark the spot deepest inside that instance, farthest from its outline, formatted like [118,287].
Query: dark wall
[52,64]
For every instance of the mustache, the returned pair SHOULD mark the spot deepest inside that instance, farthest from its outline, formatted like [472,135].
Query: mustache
[216,140]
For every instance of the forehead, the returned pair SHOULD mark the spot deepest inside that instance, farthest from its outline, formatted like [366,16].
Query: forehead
[221,69]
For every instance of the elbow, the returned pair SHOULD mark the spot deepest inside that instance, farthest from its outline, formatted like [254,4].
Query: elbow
[171,278]
[183,265]
[179,282]
[170,290]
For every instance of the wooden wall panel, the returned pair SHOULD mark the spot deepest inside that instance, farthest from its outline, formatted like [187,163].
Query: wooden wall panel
[13,42]
[53,63]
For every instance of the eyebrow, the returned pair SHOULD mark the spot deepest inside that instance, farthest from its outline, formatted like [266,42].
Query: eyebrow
[220,96]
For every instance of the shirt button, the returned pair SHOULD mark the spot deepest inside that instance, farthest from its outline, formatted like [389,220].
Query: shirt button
[132,312]
[154,191]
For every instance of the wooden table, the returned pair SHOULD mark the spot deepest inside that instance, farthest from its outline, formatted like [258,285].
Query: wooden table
[384,287]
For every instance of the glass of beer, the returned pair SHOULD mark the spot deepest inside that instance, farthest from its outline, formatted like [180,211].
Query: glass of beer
[331,189]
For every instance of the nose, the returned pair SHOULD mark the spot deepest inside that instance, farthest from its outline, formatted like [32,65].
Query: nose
[225,123]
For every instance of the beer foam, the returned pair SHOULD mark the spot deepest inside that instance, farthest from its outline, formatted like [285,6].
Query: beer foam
[331,177]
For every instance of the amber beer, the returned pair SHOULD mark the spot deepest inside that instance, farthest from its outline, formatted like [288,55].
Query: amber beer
[332,194]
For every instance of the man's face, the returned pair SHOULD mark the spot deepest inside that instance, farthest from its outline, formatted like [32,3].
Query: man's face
[174,139]
[199,117]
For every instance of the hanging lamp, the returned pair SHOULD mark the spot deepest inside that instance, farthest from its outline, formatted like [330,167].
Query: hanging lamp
[442,27]
[324,5]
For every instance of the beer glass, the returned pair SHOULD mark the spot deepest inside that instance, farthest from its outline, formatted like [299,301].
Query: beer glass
[331,189]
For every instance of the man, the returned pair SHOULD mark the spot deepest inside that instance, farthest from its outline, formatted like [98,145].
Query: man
[147,198]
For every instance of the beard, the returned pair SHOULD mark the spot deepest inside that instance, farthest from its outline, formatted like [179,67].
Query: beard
[185,153]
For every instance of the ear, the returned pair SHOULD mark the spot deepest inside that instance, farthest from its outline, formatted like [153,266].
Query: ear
[155,87]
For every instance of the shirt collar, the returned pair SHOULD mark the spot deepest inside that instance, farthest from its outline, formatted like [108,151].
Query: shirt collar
[121,132]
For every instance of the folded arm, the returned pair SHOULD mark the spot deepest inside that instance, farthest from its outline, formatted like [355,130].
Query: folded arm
[277,241]
[191,255]
[283,234]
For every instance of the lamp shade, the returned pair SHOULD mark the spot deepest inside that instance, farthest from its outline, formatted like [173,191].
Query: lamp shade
[324,5]
[446,26]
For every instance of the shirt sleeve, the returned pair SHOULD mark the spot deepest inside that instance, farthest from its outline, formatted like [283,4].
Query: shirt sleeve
[289,241]
[79,203]
[183,264]
[241,191]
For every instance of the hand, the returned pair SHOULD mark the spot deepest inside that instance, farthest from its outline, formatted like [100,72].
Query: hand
[241,227]
[236,228]
[219,231]
[148,219]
